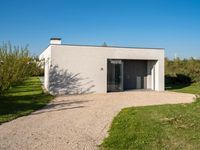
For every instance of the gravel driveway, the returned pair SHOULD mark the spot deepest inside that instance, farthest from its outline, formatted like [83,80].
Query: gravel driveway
[77,122]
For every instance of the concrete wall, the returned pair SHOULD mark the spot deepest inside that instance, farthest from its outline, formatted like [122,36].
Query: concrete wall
[46,59]
[151,74]
[89,65]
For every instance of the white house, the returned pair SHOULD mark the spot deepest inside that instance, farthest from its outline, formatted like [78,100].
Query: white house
[75,69]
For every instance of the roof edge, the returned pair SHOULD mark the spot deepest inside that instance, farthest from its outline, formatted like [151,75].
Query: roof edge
[107,46]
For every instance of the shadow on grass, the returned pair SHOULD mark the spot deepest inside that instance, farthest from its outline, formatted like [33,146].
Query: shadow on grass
[23,99]
[179,81]
[176,86]
[17,104]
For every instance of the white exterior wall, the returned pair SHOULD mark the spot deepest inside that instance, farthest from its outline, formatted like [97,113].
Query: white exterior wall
[150,74]
[46,57]
[91,63]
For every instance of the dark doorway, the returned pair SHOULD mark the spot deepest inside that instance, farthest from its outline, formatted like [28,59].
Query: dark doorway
[126,75]
[135,74]
[114,76]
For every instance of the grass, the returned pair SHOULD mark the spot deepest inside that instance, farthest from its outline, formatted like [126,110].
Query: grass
[23,99]
[157,127]
[193,88]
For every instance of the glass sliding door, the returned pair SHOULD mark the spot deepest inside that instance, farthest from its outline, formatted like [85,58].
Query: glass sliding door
[114,75]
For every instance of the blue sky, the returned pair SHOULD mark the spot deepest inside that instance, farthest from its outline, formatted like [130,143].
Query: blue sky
[171,24]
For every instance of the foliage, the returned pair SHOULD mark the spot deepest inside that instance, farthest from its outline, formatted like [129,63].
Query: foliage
[16,65]
[178,79]
[182,71]
[104,44]
[23,99]
[36,67]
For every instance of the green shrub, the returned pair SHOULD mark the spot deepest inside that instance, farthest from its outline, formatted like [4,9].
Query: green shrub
[15,66]
[182,71]
[178,79]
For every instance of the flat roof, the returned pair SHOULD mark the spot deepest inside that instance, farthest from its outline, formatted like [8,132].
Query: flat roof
[107,46]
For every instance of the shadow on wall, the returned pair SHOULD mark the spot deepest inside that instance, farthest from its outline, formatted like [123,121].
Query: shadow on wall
[64,82]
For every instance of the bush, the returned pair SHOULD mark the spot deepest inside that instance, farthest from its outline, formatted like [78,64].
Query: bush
[182,71]
[15,66]
[178,79]
[36,67]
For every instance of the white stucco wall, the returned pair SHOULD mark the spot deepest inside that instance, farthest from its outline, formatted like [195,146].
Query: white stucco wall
[90,63]
[150,74]
[45,56]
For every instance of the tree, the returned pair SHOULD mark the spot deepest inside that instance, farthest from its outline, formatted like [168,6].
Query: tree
[16,65]
[182,68]
[104,44]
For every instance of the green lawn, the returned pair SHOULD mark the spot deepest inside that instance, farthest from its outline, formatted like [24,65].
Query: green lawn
[23,99]
[192,88]
[157,127]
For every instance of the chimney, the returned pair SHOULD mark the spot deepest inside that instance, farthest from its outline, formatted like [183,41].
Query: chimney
[55,41]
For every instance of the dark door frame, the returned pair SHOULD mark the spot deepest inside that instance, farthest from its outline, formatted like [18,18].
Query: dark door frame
[122,76]
[115,75]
